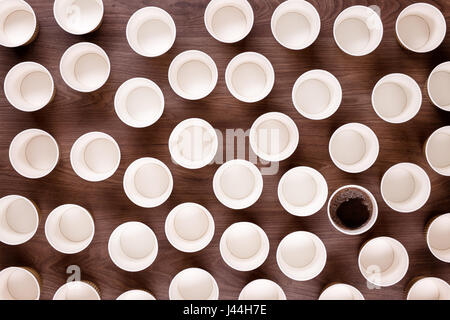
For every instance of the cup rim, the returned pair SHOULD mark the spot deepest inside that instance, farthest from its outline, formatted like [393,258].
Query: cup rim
[186,245]
[35,24]
[438,281]
[26,270]
[71,31]
[357,295]
[123,296]
[281,294]
[238,204]
[432,250]
[247,264]
[173,289]
[435,70]
[83,283]
[427,145]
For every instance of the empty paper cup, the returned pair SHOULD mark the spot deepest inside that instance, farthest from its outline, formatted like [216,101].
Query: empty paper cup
[244,246]
[354,147]
[262,289]
[139,102]
[383,261]
[189,227]
[437,151]
[295,24]
[193,74]
[78,16]
[421,27]
[438,237]
[33,153]
[301,255]
[358,30]
[18,23]
[229,21]
[77,290]
[438,84]
[19,284]
[429,288]
[19,219]
[133,246]
[193,143]
[69,228]
[238,184]
[151,32]
[136,295]
[341,291]
[95,156]
[317,94]
[29,86]
[250,77]
[193,284]
[148,182]
[396,98]
[302,191]
[405,187]
[274,136]
[85,67]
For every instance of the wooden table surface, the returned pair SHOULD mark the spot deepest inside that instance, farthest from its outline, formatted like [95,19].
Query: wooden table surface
[72,114]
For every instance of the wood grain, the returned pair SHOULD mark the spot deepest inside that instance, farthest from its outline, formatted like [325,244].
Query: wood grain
[72,114]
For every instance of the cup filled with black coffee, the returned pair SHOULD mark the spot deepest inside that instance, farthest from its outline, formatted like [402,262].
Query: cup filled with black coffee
[352,209]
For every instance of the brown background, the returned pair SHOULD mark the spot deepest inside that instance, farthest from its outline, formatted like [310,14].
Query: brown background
[72,114]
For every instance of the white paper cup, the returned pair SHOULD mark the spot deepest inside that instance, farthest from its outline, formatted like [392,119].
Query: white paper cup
[136,295]
[396,98]
[33,153]
[420,27]
[19,219]
[133,246]
[302,191]
[437,85]
[437,151]
[18,23]
[274,136]
[151,32]
[301,256]
[250,77]
[95,156]
[69,228]
[354,147]
[229,21]
[383,261]
[193,284]
[262,289]
[139,102]
[238,184]
[29,86]
[341,291]
[193,75]
[429,288]
[244,246]
[77,290]
[78,17]
[405,187]
[317,94]
[19,284]
[438,239]
[189,227]
[85,67]
[295,24]
[358,30]
[364,227]
[193,143]
[148,182]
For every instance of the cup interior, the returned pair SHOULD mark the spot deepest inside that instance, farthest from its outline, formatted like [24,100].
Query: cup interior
[34,153]
[438,239]
[396,98]
[76,290]
[139,102]
[78,16]
[262,289]
[421,27]
[437,150]
[358,30]
[295,24]
[136,295]
[17,23]
[405,187]
[193,284]
[383,261]
[18,284]
[230,20]
[341,291]
[438,84]
[151,31]
[429,288]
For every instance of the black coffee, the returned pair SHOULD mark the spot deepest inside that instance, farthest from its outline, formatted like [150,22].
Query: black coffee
[351,208]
